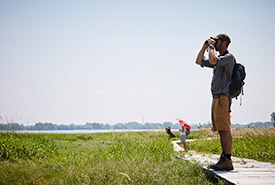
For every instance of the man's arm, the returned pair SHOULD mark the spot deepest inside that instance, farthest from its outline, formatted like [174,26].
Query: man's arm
[201,53]
[212,56]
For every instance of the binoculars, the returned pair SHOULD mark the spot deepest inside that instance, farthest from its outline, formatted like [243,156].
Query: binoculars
[206,42]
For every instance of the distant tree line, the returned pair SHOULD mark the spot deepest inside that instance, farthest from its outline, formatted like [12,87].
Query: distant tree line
[254,124]
[88,126]
[129,125]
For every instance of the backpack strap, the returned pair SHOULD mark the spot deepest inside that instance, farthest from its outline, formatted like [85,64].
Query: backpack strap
[229,82]
[241,97]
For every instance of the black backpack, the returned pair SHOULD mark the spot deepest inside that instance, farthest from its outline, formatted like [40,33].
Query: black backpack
[237,80]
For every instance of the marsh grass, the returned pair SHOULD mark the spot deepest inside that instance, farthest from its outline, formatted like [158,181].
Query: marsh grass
[201,134]
[255,144]
[14,147]
[107,158]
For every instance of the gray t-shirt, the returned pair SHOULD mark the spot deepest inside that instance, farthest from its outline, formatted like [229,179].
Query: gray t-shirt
[222,73]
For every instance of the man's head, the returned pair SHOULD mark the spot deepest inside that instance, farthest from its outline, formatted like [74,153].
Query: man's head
[222,41]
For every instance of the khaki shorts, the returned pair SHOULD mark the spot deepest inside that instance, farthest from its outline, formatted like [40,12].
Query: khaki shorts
[220,113]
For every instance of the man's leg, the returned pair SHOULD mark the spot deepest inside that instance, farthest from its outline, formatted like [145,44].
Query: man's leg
[185,146]
[225,162]
[226,141]
[221,123]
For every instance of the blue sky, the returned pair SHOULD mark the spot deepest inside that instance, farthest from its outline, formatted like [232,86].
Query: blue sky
[118,61]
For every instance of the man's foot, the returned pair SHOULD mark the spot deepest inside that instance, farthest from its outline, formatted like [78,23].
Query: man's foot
[224,164]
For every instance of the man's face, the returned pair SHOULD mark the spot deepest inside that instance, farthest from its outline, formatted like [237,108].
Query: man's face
[218,45]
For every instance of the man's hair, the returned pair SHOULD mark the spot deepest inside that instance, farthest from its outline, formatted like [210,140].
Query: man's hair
[227,43]
[224,38]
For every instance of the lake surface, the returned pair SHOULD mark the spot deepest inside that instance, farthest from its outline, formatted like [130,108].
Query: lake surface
[83,131]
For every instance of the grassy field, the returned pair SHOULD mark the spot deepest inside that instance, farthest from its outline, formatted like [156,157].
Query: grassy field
[109,158]
[118,158]
[255,144]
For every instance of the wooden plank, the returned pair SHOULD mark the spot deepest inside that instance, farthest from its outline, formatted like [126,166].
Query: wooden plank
[246,171]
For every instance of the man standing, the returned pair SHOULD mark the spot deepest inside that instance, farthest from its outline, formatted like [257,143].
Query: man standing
[220,114]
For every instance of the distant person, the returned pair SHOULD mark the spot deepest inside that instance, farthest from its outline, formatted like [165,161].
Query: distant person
[212,130]
[183,134]
[169,132]
[222,66]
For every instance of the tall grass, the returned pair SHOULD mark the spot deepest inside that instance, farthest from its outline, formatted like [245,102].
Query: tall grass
[109,158]
[255,144]
[14,147]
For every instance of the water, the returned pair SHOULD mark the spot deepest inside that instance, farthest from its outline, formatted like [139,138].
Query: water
[83,131]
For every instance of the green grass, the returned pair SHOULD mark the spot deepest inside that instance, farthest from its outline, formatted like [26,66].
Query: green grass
[20,146]
[196,134]
[255,144]
[107,158]
[117,158]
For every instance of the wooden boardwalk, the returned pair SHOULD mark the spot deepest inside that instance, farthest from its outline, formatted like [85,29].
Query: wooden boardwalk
[246,171]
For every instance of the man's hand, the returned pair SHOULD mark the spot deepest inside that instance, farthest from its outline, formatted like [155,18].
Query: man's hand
[201,53]
[211,42]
